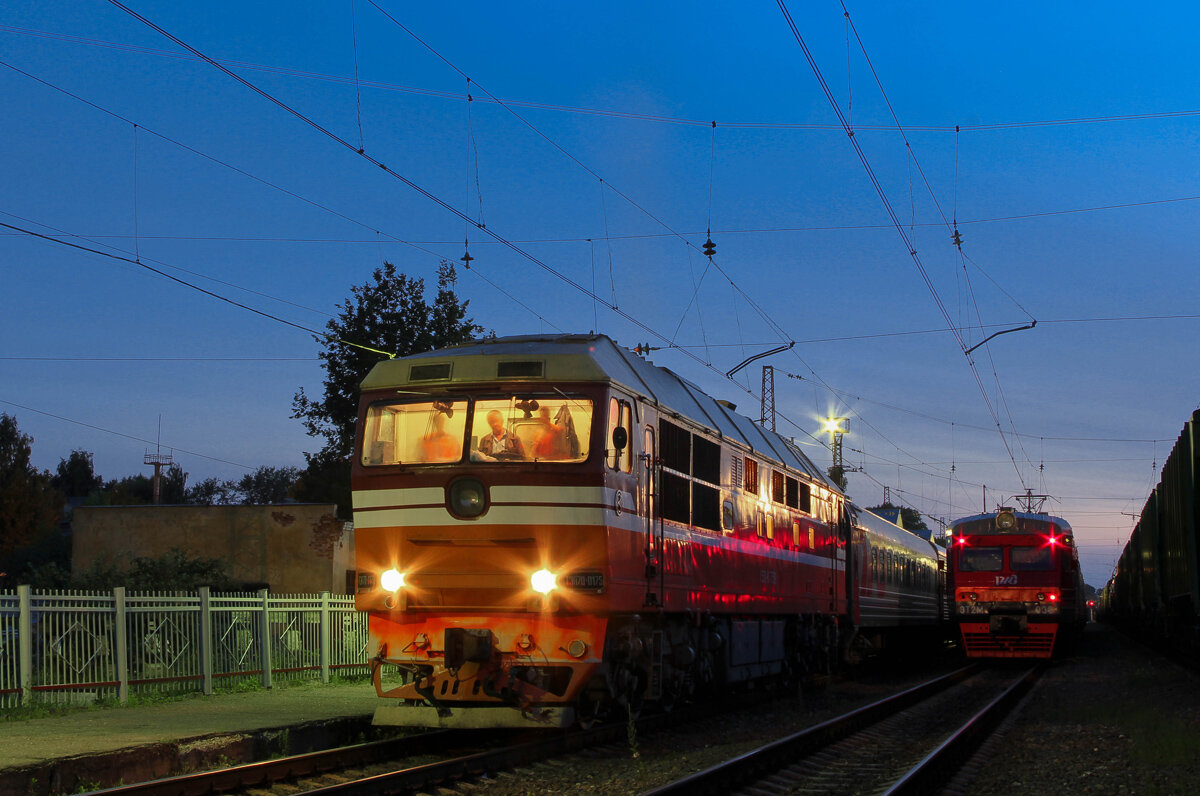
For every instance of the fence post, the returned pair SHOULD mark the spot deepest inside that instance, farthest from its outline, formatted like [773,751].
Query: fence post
[326,636]
[25,643]
[206,641]
[121,639]
[265,637]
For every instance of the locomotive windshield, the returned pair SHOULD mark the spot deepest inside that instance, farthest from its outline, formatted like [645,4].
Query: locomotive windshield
[1030,558]
[980,559]
[512,428]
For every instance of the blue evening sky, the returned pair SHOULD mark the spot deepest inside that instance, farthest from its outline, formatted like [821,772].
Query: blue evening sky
[1072,178]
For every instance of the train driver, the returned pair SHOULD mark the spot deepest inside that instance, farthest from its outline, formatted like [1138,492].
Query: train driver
[499,444]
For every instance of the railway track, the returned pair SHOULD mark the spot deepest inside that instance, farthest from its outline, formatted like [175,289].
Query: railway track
[435,760]
[905,744]
[407,764]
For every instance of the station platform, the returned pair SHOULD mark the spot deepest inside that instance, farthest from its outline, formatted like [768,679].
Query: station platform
[89,748]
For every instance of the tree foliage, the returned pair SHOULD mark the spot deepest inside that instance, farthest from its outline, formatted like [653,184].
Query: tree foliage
[389,313]
[263,486]
[174,570]
[30,507]
[910,519]
[76,475]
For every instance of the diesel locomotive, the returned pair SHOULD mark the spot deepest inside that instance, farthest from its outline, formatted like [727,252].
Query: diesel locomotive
[551,527]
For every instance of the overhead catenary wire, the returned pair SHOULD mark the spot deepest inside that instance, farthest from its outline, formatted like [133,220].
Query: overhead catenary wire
[609,112]
[185,283]
[121,434]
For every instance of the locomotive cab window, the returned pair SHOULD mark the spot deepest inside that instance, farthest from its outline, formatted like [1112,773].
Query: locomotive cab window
[980,559]
[414,432]
[1030,558]
[525,427]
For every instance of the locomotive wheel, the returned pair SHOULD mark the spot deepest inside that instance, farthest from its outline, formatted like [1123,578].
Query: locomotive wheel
[590,711]
[592,706]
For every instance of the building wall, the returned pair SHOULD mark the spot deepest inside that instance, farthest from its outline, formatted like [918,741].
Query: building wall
[289,548]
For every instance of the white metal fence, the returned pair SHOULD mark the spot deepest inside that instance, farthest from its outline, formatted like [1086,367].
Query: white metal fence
[69,647]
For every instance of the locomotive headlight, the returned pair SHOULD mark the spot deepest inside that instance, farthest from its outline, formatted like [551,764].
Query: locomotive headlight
[467,498]
[543,581]
[392,580]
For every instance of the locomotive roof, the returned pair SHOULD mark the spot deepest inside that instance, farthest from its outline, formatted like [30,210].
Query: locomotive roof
[594,357]
[1024,515]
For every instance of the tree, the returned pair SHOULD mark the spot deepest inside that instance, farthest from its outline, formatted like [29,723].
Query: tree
[265,485]
[30,508]
[76,475]
[389,314]
[209,492]
[910,519]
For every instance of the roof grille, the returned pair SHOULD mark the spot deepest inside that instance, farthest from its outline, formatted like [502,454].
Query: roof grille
[520,370]
[429,372]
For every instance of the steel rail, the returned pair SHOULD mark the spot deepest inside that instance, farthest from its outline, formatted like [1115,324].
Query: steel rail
[731,774]
[269,771]
[928,775]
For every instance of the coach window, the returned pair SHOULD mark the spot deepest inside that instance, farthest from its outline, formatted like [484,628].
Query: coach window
[792,494]
[751,482]
[770,525]
[727,516]
[706,479]
[796,533]
[776,486]
[806,498]
[620,415]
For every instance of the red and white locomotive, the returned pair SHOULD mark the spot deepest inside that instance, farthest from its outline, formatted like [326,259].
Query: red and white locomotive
[1018,591]
[547,527]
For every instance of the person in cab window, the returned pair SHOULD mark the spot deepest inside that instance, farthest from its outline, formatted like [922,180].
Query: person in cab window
[438,445]
[549,442]
[500,444]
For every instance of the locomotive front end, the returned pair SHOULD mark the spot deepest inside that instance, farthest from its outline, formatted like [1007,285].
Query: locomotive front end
[481,553]
[1014,584]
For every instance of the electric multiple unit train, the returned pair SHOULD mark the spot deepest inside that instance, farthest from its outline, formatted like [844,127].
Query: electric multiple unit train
[1016,584]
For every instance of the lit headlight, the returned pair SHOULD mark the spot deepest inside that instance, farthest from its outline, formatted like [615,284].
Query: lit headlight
[543,581]
[392,580]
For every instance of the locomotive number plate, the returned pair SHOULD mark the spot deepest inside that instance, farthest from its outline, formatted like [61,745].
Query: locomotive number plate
[586,581]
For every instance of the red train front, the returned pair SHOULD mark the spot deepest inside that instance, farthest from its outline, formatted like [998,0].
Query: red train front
[1018,591]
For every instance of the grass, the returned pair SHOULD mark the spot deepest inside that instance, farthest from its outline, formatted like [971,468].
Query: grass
[44,710]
